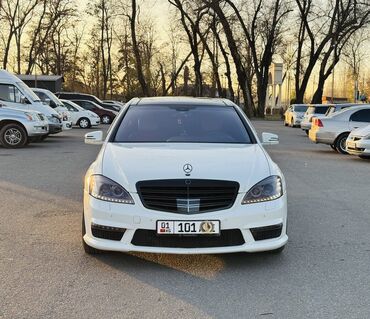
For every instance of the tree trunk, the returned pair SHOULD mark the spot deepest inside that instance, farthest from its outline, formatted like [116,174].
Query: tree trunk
[244,82]
[139,66]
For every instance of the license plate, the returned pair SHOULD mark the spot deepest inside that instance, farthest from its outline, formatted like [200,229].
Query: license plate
[188,227]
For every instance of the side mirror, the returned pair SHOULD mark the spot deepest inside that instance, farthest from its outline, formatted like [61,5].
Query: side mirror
[24,100]
[270,139]
[95,138]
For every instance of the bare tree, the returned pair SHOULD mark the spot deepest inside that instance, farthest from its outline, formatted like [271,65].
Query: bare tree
[355,53]
[323,33]
[135,47]
[17,14]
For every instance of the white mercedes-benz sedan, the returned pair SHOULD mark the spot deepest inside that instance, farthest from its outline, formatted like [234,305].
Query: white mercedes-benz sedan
[183,176]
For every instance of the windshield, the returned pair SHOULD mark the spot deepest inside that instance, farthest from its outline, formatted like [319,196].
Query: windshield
[55,99]
[182,124]
[30,94]
[300,108]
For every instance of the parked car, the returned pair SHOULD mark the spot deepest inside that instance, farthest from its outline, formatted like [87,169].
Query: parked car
[16,94]
[49,98]
[335,129]
[160,183]
[338,107]
[19,127]
[106,116]
[313,110]
[116,103]
[81,117]
[294,114]
[358,142]
[87,97]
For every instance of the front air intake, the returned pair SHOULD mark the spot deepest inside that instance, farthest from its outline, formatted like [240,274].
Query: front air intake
[187,196]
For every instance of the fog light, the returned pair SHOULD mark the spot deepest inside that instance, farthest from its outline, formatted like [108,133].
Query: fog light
[107,232]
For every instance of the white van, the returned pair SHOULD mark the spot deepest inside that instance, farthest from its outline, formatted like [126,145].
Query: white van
[48,98]
[16,94]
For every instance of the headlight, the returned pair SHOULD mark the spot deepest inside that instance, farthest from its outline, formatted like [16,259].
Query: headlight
[105,189]
[269,189]
[31,117]
[54,119]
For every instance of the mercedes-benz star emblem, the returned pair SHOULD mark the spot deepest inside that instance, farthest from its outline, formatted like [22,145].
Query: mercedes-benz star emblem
[187,169]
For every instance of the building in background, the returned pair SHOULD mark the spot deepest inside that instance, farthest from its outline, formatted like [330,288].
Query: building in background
[52,83]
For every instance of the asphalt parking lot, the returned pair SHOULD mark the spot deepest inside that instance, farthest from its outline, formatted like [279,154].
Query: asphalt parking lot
[323,273]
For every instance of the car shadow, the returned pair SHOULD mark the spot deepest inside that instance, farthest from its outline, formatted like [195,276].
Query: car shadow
[191,278]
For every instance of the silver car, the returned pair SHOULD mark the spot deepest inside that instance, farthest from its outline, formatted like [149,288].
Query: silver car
[339,107]
[313,110]
[334,130]
[294,114]
[19,127]
[358,142]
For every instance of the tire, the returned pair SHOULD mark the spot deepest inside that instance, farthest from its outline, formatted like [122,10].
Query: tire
[333,147]
[88,249]
[106,119]
[84,123]
[306,131]
[340,143]
[13,135]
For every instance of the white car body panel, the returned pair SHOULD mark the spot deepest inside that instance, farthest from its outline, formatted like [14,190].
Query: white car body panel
[248,165]
[358,142]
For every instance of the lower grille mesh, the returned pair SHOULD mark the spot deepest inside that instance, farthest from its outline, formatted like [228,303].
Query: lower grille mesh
[149,238]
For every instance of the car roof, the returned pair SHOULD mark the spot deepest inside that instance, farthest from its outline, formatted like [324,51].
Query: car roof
[351,109]
[75,93]
[183,100]
[40,89]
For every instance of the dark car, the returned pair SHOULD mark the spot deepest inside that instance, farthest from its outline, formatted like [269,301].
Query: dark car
[106,116]
[87,97]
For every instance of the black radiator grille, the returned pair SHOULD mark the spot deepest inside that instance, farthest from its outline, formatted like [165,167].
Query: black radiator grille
[149,238]
[187,196]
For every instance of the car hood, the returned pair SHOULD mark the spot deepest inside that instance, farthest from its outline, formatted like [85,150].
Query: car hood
[129,163]
[363,131]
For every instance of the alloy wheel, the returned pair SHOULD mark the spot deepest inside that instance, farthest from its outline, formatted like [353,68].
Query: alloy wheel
[84,123]
[13,136]
[105,119]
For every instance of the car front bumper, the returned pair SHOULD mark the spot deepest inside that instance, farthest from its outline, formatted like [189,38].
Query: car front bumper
[55,128]
[37,129]
[95,121]
[360,147]
[67,125]
[137,217]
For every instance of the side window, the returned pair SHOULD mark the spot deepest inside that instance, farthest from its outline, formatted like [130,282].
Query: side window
[10,93]
[321,109]
[87,105]
[361,116]
[70,107]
